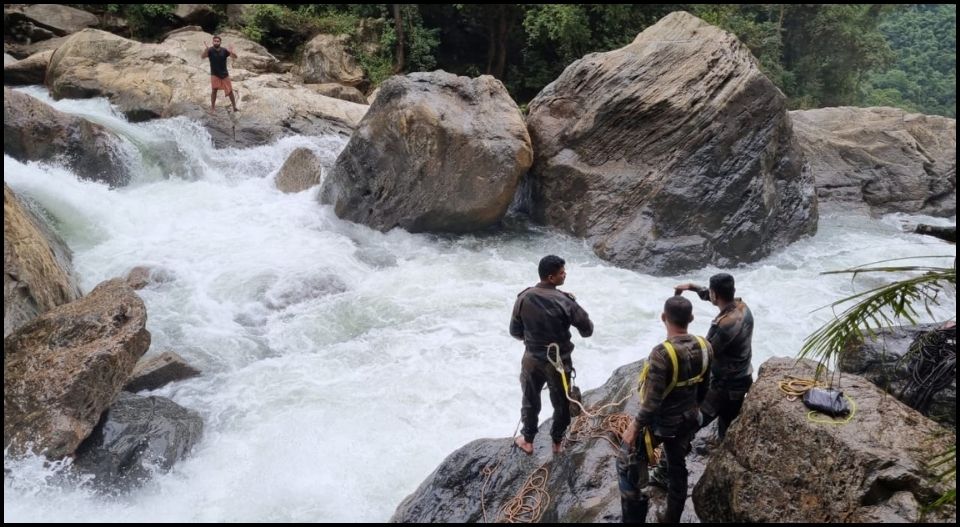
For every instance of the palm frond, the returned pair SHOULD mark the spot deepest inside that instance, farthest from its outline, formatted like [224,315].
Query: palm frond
[875,309]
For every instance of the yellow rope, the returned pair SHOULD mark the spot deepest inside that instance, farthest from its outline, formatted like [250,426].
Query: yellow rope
[831,421]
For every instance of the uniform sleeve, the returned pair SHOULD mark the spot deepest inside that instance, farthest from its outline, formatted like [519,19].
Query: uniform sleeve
[516,323]
[702,292]
[581,320]
[651,393]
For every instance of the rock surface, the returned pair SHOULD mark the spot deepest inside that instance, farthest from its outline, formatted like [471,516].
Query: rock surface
[37,269]
[887,158]
[435,152]
[63,369]
[777,465]
[136,437]
[299,172]
[671,153]
[34,131]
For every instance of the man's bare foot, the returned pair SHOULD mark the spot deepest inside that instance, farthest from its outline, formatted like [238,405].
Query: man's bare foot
[522,444]
[558,448]
[211,111]
[235,109]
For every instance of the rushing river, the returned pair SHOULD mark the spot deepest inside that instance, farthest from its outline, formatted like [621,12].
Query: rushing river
[341,365]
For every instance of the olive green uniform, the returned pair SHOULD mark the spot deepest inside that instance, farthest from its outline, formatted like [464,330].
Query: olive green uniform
[542,315]
[672,419]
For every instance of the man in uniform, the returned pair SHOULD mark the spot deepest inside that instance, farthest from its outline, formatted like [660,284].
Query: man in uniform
[542,315]
[668,415]
[730,334]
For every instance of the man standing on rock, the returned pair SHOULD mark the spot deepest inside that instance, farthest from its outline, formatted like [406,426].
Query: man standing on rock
[219,78]
[730,335]
[542,315]
[668,415]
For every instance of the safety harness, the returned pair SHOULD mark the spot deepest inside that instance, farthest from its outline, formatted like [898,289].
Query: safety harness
[674,382]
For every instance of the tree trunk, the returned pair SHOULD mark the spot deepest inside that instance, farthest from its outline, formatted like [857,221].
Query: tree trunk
[503,31]
[400,62]
[492,47]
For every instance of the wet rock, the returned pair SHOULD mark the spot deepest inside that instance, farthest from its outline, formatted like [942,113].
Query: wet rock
[671,153]
[143,276]
[299,172]
[63,369]
[34,131]
[37,269]
[137,437]
[435,153]
[581,483]
[776,465]
[156,372]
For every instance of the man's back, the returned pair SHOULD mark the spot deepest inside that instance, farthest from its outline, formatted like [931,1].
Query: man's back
[543,315]
[730,335]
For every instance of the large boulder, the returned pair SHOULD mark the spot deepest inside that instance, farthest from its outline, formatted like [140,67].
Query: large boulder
[8,60]
[30,70]
[895,359]
[777,464]
[476,481]
[37,270]
[299,172]
[58,19]
[136,437]
[671,153]
[34,131]
[327,58]
[63,369]
[435,152]
[170,79]
[887,158]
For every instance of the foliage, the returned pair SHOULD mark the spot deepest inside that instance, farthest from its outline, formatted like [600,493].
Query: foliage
[882,307]
[924,76]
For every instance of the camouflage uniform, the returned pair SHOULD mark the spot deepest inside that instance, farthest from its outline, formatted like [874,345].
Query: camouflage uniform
[672,420]
[543,315]
[730,373]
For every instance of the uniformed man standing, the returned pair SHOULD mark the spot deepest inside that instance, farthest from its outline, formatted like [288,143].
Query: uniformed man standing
[542,315]
[730,335]
[668,414]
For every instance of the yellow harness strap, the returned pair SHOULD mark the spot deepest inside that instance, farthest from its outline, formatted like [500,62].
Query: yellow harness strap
[672,353]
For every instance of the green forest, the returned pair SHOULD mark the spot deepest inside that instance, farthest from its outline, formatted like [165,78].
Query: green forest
[819,55]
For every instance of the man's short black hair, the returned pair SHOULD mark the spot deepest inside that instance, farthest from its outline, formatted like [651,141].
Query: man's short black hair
[722,285]
[217,37]
[550,265]
[678,311]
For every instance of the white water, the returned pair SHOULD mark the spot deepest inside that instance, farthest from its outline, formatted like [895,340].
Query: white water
[335,407]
